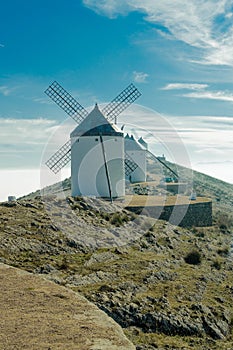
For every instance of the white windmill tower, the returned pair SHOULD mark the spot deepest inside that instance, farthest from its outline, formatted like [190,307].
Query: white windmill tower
[138,153]
[96,146]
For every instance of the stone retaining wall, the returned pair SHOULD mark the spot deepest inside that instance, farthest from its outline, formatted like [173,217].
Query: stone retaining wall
[187,215]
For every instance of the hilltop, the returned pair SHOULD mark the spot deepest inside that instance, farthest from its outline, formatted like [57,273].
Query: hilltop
[204,185]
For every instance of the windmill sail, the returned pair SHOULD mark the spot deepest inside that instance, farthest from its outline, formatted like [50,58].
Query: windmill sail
[64,100]
[121,102]
[153,157]
[130,165]
[60,158]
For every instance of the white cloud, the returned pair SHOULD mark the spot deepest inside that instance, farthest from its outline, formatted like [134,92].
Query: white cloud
[201,134]
[24,181]
[181,86]
[22,141]
[29,142]
[204,24]
[140,77]
[186,140]
[211,95]
[229,15]
[219,169]
[43,100]
[25,131]
[210,150]
[200,92]
[111,8]
[5,90]
[18,182]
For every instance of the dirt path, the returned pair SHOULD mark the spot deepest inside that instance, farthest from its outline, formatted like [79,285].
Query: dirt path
[39,315]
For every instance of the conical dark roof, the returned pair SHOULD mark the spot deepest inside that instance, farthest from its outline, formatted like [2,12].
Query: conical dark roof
[131,144]
[143,142]
[96,124]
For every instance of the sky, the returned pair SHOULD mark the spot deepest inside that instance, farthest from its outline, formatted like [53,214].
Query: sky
[179,55]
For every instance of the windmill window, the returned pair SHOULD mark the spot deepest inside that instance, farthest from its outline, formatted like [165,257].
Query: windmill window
[96,139]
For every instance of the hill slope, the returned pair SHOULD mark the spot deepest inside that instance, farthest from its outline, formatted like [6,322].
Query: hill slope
[38,314]
[168,287]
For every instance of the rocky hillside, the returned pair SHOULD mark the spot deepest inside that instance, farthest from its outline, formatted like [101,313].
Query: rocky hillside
[167,287]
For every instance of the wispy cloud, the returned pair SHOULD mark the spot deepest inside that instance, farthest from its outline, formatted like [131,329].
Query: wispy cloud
[181,86]
[31,136]
[203,24]
[2,45]
[42,100]
[140,77]
[16,132]
[110,8]
[219,169]
[5,90]
[22,141]
[183,139]
[211,95]
[200,91]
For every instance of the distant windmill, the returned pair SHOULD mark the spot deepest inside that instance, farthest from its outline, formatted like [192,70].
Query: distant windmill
[137,151]
[96,145]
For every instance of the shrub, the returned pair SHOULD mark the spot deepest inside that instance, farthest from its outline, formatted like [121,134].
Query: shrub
[223,251]
[116,220]
[201,234]
[223,227]
[217,264]
[193,258]
[105,216]
[224,222]
[64,264]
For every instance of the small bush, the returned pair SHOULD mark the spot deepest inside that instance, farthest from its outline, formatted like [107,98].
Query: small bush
[64,264]
[217,264]
[224,222]
[193,258]
[151,229]
[223,227]
[126,218]
[201,234]
[116,220]
[223,251]
[105,216]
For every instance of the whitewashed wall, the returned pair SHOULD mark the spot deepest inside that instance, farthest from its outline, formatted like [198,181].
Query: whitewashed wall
[88,174]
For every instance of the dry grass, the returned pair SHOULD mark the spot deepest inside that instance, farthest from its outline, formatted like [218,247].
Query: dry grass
[147,201]
[38,314]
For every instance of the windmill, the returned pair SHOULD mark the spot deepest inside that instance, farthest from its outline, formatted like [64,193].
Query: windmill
[137,152]
[137,149]
[96,145]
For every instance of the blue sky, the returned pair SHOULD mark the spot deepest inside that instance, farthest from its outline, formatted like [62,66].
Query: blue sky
[179,55]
